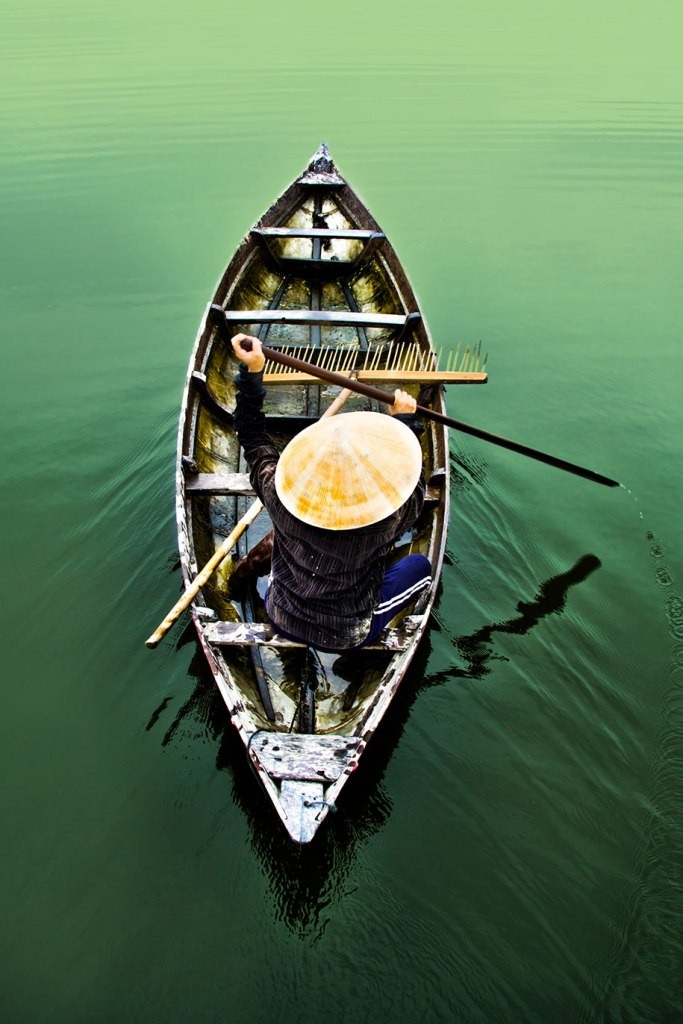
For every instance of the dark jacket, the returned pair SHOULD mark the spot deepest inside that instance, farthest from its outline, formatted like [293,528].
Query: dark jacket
[323,584]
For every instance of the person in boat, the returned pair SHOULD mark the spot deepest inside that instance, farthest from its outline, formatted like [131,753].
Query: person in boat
[339,496]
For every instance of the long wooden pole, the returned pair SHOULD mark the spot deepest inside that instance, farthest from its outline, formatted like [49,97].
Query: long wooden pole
[226,547]
[202,577]
[379,395]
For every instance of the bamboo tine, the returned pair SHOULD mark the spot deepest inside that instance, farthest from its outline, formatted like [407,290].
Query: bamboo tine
[413,356]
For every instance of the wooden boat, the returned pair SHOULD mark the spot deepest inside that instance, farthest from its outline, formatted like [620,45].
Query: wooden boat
[316,276]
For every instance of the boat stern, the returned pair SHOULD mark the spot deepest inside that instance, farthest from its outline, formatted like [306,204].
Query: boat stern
[303,775]
[305,808]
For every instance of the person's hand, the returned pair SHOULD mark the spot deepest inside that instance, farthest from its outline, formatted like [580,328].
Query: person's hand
[403,403]
[253,359]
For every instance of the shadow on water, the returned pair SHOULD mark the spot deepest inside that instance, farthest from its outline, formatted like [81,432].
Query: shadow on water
[477,648]
[307,881]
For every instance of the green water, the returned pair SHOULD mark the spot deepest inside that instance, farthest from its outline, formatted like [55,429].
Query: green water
[512,847]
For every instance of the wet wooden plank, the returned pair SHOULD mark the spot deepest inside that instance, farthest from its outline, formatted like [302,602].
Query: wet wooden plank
[305,757]
[323,233]
[254,634]
[316,316]
[219,483]
[304,806]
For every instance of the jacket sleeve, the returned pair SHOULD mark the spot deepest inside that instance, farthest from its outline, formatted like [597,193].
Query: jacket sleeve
[250,424]
[411,420]
[410,511]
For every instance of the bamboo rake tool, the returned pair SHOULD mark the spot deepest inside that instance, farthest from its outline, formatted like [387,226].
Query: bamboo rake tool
[277,356]
[406,363]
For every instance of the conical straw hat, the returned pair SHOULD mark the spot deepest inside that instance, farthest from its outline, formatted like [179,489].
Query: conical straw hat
[349,470]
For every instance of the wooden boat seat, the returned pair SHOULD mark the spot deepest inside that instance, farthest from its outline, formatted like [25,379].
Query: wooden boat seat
[297,756]
[316,266]
[317,317]
[260,634]
[239,483]
[219,483]
[322,233]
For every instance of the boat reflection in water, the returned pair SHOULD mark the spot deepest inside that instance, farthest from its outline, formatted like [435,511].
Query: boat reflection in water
[306,881]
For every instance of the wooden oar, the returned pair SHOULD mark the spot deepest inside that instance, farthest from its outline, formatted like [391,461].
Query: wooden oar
[226,547]
[379,395]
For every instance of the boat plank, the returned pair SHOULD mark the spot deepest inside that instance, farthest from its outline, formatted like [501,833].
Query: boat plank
[305,757]
[303,804]
[219,483]
[261,634]
[315,233]
[315,316]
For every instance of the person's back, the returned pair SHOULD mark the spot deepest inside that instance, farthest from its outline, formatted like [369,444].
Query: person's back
[326,584]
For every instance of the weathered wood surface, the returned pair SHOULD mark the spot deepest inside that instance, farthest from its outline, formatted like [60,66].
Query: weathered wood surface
[304,757]
[304,808]
[323,233]
[260,634]
[315,316]
[219,483]
[239,483]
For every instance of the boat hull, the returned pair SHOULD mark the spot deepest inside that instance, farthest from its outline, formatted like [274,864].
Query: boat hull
[316,276]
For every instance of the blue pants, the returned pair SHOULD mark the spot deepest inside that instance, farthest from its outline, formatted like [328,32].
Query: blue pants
[401,585]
